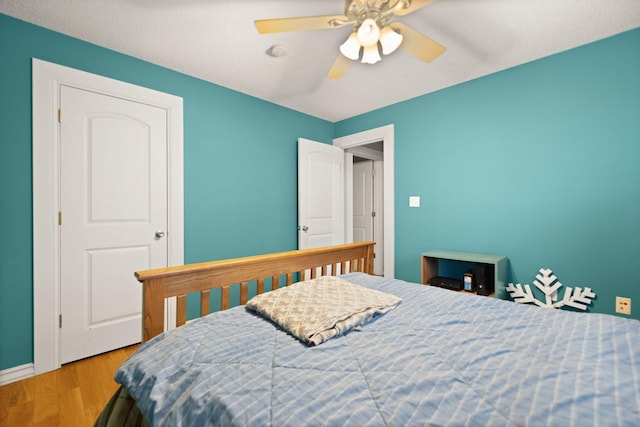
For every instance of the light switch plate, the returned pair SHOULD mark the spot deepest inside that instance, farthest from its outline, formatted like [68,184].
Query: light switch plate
[414,201]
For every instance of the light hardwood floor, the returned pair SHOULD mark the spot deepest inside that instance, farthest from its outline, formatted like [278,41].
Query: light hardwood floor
[70,396]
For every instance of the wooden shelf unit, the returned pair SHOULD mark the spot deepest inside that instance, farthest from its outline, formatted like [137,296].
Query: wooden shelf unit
[430,266]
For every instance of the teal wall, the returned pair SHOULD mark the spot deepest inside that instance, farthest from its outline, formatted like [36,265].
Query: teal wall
[540,163]
[239,166]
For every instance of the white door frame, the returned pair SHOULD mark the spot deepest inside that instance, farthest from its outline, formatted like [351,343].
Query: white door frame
[386,135]
[47,79]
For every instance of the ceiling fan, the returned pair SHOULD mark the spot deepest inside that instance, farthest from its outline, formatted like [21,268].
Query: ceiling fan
[372,27]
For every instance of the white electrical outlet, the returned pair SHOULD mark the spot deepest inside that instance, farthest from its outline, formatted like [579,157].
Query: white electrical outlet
[623,305]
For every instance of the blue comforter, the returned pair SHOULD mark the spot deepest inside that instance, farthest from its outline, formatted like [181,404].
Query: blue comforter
[439,358]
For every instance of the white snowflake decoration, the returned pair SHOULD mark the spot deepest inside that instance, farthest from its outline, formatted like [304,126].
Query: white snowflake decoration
[549,284]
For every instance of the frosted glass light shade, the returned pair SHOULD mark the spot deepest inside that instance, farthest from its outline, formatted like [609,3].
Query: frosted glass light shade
[368,33]
[371,54]
[351,47]
[390,40]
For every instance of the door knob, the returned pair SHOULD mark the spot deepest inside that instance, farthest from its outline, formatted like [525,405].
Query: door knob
[159,234]
[305,228]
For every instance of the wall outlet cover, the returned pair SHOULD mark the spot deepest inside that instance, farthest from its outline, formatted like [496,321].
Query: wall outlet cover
[623,305]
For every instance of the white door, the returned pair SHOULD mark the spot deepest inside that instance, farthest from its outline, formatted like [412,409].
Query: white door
[320,194]
[378,220]
[113,200]
[363,212]
[368,207]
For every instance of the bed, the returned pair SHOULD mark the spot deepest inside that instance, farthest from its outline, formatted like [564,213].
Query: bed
[436,357]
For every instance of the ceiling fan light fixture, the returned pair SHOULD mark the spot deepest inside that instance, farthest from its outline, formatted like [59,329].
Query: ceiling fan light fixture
[370,55]
[368,33]
[389,40]
[351,47]
[371,25]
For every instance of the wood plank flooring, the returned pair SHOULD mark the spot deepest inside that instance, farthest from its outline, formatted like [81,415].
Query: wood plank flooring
[70,396]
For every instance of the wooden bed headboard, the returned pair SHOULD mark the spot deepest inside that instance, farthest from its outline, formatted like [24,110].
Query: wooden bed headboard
[162,283]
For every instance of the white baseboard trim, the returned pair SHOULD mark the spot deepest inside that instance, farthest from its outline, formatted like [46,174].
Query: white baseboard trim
[16,373]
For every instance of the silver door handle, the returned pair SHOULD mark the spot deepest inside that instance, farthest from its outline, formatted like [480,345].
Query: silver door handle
[305,228]
[159,234]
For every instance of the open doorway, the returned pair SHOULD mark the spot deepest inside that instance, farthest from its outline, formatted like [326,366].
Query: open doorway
[379,139]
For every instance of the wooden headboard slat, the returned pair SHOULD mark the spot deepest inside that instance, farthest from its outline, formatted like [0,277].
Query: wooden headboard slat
[181,310]
[205,302]
[244,293]
[224,298]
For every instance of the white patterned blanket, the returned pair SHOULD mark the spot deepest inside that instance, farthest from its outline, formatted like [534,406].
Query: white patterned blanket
[319,309]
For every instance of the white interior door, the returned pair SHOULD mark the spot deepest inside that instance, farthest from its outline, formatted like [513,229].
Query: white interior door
[368,207]
[320,194]
[378,220]
[363,211]
[113,199]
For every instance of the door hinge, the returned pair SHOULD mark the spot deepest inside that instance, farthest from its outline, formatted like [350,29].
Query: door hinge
[59,115]
[60,321]
[373,214]
[60,218]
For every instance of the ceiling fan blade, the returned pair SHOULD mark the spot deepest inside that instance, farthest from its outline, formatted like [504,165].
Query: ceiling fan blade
[417,44]
[282,25]
[405,7]
[339,67]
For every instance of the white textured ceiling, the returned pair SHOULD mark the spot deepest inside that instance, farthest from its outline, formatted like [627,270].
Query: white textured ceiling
[216,40]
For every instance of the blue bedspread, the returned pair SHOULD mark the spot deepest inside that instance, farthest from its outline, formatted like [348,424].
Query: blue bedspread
[440,358]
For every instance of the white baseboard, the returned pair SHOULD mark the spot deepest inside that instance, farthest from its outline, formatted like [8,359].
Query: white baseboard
[16,373]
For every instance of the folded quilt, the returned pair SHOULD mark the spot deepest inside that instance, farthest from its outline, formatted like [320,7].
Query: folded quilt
[317,310]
